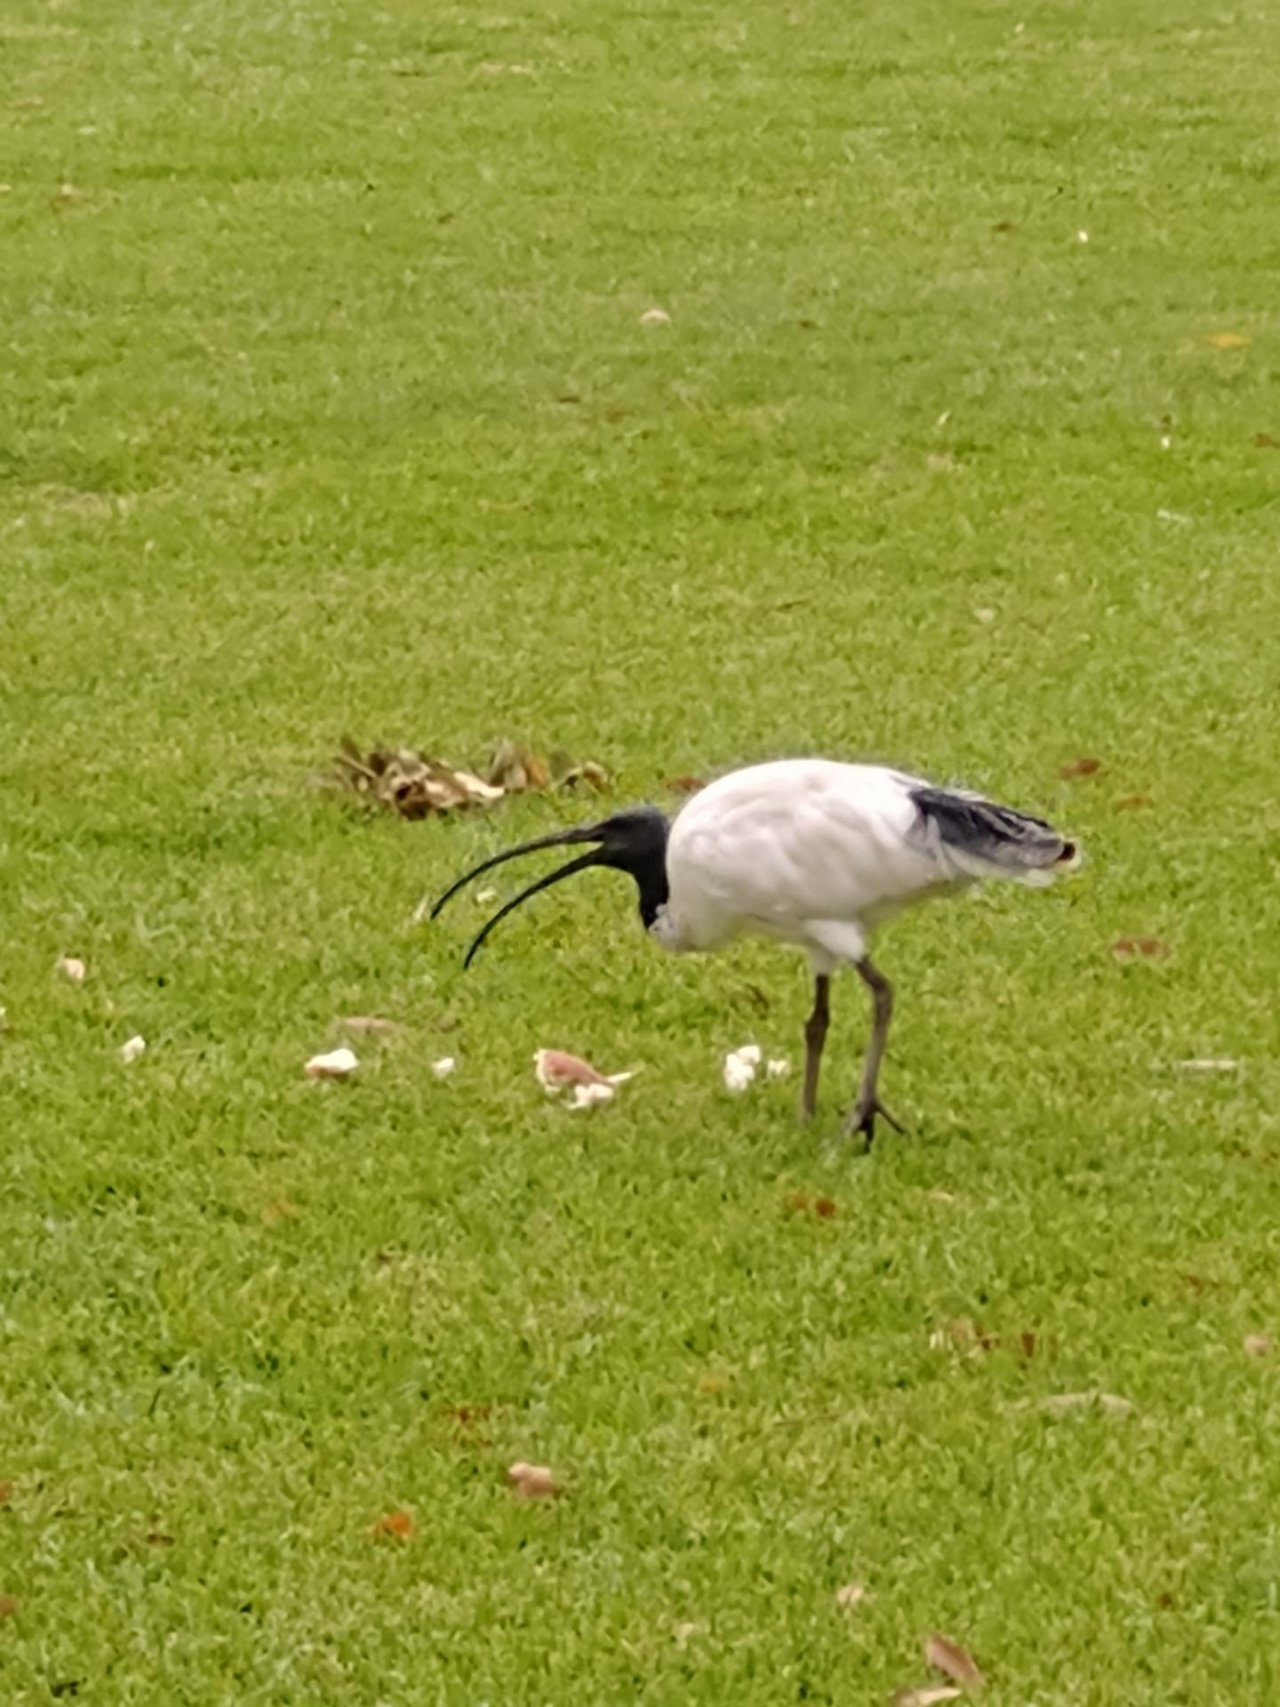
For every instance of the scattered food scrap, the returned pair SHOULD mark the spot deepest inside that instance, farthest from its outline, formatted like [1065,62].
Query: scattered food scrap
[851,1595]
[556,1070]
[132,1049]
[337,1064]
[444,1066]
[533,1481]
[72,970]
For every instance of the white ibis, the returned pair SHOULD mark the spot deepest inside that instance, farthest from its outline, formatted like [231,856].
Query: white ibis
[810,852]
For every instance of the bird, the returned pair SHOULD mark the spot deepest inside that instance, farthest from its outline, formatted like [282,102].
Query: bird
[812,852]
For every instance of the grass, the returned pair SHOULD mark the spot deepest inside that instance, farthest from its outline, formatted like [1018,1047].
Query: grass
[327,406]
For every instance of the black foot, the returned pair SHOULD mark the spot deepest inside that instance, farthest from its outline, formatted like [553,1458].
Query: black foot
[863,1120]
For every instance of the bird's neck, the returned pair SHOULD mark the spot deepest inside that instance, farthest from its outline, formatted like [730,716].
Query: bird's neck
[651,880]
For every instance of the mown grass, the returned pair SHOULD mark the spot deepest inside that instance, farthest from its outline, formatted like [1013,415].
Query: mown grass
[327,406]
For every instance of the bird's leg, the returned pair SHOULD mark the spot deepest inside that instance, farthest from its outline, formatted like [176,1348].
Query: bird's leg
[862,1117]
[815,1035]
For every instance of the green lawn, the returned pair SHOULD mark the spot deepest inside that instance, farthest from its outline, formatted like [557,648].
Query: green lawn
[325,404]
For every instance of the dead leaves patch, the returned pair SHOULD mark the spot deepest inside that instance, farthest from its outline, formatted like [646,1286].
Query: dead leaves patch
[1076,768]
[9,1607]
[415,785]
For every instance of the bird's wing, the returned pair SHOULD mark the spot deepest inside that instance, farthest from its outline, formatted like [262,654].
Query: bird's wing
[776,845]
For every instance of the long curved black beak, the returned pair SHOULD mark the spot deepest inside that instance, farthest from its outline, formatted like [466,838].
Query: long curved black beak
[564,838]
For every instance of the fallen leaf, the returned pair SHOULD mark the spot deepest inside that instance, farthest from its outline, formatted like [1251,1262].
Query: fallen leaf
[1004,225]
[952,1660]
[1133,802]
[824,1208]
[959,1331]
[1061,1403]
[337,1064]
[797,1202]
[533,1481]
[132,1049]
[851,1595]
[1227,340]
[1027,1344]
[926,1695]
[1259,1345]
[655,317]
[1080,767]
[6,1493]
[1166,1601]
[72,970]
[1264,441]
[369,1025]
[157,1538]
[715,1381]
[398,1525]
[466,1416]
[1140,948]
[684,784]
[279,1209]
[444,1066]
[9,1607]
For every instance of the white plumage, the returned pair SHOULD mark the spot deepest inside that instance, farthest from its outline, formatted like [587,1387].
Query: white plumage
[809,852]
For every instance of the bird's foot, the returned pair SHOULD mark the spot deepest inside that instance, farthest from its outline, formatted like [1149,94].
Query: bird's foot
[862,1119]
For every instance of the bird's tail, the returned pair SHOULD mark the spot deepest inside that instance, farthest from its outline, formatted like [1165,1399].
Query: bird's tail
[974,837]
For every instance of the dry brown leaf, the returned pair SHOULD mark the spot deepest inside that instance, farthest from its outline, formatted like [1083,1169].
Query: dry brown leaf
[1139,948]
[715,1381]
[1227,340]
[824,1208]
[684,784]
[9,1607]
[1061,1403]
[1004,225]
[157,1538]
[533,1481]
[925,1695]
[1264,441]
[396,1525]
[516,769]
[1133,802]
[851,1595]
[279,1209]
[1259,1345]
[6,1494]
[797,1202]
[952,1660]
[1080,767]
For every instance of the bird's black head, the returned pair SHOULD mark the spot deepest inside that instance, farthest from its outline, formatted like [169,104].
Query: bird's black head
[634,841]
